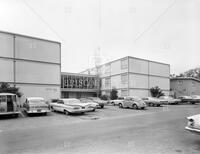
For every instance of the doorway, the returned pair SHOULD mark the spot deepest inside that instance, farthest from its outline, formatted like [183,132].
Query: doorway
[10,106]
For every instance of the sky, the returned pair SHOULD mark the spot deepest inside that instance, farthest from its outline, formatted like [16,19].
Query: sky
[98,31]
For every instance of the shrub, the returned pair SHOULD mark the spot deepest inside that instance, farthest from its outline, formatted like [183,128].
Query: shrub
[156,92]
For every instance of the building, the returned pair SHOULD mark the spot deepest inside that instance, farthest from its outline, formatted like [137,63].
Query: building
[75,85]
[185,86]
[32,64]
[132,76]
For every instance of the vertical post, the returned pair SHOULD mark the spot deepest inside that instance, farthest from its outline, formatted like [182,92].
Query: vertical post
[14,62]
[128,77]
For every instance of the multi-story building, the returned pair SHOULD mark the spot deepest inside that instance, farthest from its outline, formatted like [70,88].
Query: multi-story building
[181,86]
[32,64]
[75,85]
[132,76]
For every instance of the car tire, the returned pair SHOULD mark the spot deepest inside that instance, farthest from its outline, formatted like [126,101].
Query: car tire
[158,105]
[120,105]
[134,106]
[66,112]
[52,109]
[93,110]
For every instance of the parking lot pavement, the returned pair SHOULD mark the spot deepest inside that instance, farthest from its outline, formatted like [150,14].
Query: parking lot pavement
[54,118]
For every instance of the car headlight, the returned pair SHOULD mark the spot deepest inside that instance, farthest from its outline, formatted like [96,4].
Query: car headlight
[191,122]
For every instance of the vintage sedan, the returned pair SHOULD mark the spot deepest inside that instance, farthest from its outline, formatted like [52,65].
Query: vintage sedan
[152,101]
[92,104]
[193,124]
[133,102]
[36,105]
[169,100]
[99,101]
[186,99]
[71,105]
[195,98]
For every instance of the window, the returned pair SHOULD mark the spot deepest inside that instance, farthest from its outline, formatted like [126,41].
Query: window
[124,78]
[124,93]
[124,63]
[107,82]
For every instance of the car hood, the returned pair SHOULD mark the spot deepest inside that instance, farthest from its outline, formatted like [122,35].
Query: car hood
[78,104]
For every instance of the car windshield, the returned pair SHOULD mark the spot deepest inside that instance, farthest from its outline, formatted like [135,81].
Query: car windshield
[35,101]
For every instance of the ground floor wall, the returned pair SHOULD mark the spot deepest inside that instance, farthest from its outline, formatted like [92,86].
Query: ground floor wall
[33,90]
[67,94]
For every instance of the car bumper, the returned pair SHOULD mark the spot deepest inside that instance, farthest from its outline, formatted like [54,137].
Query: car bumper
[81,110]
[38,111]
[9,113]
[193,130]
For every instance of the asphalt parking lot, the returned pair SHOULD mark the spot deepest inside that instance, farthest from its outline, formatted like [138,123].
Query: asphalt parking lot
[109,130]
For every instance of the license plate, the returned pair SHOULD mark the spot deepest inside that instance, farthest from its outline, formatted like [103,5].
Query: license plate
[39,110]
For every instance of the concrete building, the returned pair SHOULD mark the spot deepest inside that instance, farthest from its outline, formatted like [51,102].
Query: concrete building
[75,85]
[185,86]
[32,64]
[132,76]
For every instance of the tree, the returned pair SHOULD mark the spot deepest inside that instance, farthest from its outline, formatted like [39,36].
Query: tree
[113,94]
[6,88]
[156,92]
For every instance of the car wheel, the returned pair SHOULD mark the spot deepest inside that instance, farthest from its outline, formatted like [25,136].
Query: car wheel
[120,105]
[102,106]
[158,105]
[66,112]
[52,109]
[135,106]
[93,110]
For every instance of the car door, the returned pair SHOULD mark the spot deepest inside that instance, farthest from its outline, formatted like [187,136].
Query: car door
[58,106]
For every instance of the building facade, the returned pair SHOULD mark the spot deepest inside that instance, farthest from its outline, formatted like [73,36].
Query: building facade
[185,86]
[132,76]
[32,64]
[75,85]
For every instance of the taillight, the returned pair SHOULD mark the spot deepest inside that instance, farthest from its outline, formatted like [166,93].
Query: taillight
[191,122]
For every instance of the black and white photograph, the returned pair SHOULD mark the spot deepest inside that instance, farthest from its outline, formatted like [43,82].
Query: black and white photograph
[99,76]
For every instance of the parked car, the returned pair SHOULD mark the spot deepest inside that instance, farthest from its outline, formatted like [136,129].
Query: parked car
[132,102]
[9,104]
[71,105]
[98,100]
[152,101]
[169,100]
[117,101]
[193,124]
[36,105]
[92,104]
[196,98]
[185,99]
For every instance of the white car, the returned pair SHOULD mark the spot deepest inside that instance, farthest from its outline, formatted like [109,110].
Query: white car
[133,102]
[193,124]
[71,105]
[186,99]
[92,104]
[99,101]
[169,100]
[196,98]
[116,101]
[36,105]
[152,101]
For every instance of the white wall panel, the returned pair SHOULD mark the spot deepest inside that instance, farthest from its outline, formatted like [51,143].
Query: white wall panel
[47,92]
[6,70]
[6,45]
[31,72]
[163,83]
[159,69]
[138,81]
[34,49]
[116,68]
[138,92]
[138,66]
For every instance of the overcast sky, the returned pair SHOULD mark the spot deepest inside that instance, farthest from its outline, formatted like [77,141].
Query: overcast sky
[160,30]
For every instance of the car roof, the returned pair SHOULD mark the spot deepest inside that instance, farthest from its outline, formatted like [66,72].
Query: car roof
[68,99]
[35,98]
[2,94]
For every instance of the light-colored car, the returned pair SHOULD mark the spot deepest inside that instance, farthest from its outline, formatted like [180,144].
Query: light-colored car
[152,101]
[169,100]
[117,101]
[71,105]
[133,102]
[9,104]
[186,99]
[92,104]
[36,105]
[193,124]
[196,98]
[101,103]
